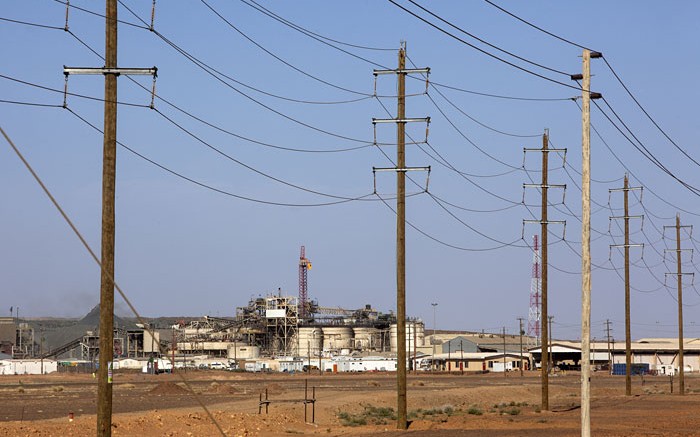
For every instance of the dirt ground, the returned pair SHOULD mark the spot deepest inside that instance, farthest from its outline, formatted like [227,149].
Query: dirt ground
[346,405]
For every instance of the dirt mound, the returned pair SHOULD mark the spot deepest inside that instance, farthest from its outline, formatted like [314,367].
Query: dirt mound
[274,388]
[167,388]
[215,387]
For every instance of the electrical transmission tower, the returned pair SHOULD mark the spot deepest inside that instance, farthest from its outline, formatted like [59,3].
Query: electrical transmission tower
[304,267]
[534,315]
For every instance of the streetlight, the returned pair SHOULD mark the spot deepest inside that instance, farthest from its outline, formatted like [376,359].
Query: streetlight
[434,304]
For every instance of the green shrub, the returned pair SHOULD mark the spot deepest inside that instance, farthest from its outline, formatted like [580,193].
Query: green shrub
[475,411]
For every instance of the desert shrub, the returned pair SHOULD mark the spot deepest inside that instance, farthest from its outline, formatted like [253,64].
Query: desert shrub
[475,411]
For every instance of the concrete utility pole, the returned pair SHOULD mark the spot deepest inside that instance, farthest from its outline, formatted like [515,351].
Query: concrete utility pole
[628,336]
[586,95]
[110,71]
[520,319]
[544,222]
[679,274]
[400,169]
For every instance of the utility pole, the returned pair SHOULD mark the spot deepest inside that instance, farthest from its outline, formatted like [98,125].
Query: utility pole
[520,319]
[586,96]
[432,340]
[110,71]
[679,274]
[607,335]
[400,169]
[628,336]
[544,221]
[550,365]
[504,351]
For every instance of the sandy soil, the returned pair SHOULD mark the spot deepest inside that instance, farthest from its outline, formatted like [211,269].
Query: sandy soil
[346,404]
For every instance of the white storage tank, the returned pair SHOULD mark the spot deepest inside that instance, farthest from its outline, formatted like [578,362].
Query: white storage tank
[413,330]
[310,341]
[367,338]
[240,351]
[337,337]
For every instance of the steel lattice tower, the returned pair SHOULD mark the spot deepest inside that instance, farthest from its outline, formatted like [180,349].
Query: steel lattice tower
[535,313]
[304,266]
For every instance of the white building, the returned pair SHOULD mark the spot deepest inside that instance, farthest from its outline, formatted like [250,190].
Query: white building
[27,367]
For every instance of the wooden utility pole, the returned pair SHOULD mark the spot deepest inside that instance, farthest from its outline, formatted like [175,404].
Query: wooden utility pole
[544,222]
[607,335]
[110,71]
[679,277]
[628,336]
[520,319]
[586,249]
[402,415]
[400,169]
[681,374]
[545,267]
[109,169]
[550,363]
[586,240]
[504,351]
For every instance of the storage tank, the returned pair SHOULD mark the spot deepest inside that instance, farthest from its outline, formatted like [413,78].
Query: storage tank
[337,337]
[413,330]
[310,341]
[367,338]
[241,351]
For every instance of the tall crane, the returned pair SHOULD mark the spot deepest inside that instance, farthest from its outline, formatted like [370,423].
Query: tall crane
[304,267]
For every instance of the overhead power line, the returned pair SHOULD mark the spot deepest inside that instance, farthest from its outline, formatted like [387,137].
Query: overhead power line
[452,25]
[212,188]
[537,27]
[485,52]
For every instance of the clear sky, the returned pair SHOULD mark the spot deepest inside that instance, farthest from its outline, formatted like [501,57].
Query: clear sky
[185,249]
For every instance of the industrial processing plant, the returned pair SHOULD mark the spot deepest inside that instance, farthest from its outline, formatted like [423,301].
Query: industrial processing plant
[274,326]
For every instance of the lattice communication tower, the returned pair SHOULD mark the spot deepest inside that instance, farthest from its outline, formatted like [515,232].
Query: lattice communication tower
[535,313]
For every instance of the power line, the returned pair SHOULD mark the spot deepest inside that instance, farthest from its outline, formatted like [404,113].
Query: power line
[553,70]
[26,23]
[647,113]
[536,27]
[320,38]
[232,26]
[211,188]
[67,4]
[523,69]
[82,96]
[300,28]
[617,158]
[612,70]
[226,131]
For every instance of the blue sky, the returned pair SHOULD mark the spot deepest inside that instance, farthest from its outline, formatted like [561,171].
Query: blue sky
[187,250]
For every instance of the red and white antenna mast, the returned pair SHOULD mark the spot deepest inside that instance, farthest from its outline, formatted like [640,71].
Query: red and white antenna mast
[535,313]
[304,267]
